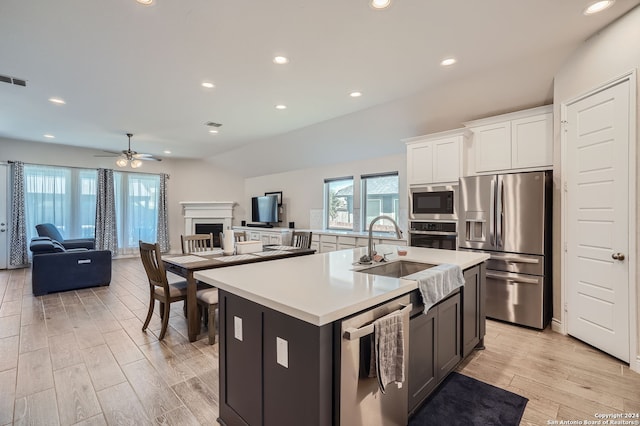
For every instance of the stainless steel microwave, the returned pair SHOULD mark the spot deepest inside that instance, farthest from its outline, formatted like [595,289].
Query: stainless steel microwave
[437,202]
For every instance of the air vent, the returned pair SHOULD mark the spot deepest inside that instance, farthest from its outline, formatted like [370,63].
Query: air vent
[212,124]
[13,80]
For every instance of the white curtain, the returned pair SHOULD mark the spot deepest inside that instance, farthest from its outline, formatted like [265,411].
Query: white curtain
[65,197]
[137,197]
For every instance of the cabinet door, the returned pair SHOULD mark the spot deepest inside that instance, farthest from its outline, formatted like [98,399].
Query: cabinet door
[446,160]
[492,146]
[472,321]
[297,365]
[448,352]
[326,247]
[420,163]
[532,141]
[275,239]
[265,239]
[242,395]
[422,357]
[254,236]
[346,242]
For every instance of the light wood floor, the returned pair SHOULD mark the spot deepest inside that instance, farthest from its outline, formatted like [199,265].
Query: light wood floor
[81,358]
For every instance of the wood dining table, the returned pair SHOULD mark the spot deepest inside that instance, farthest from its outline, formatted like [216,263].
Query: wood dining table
[186,264]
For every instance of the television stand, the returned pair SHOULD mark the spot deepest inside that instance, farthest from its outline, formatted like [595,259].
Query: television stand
[260,225]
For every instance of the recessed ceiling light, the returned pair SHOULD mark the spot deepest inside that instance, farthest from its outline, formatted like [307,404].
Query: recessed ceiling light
[208,85]
[57,101]
[145,2]
[598,6]
[355,94]
[280,60]
[166,151]
[281,106]
[214,131]
[448,61]
[49,136]
[380,4]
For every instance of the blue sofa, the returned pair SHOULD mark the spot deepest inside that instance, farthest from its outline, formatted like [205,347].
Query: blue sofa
[50,230]
[56,268]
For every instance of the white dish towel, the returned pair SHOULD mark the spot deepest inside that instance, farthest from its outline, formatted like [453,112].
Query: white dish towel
[437,282]
[388,346]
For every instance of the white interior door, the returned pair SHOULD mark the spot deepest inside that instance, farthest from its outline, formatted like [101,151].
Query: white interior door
[597,238]
[4,226]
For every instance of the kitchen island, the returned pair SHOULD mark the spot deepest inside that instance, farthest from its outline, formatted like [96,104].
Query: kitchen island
[280,334]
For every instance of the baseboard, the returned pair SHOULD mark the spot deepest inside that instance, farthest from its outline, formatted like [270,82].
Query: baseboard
[634,365]
[556,325]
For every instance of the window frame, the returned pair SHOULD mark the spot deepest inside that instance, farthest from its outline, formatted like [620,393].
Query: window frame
[395,202]
[327,202]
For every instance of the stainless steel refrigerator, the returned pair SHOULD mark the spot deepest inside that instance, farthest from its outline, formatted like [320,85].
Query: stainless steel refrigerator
[509,217]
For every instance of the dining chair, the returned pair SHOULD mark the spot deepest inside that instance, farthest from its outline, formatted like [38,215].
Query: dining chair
[208,300]
[195,243]
[159,287]
[301,239]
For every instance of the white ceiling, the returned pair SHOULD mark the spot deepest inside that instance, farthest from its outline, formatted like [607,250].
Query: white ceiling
[124,67]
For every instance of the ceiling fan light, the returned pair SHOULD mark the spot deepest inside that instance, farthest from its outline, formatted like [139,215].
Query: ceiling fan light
[135,164]
[121,162]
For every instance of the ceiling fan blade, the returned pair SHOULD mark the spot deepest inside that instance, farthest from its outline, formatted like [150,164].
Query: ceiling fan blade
[149,159]
[109,154]
[141,156]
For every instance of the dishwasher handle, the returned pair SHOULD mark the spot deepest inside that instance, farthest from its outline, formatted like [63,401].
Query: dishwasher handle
[356,333]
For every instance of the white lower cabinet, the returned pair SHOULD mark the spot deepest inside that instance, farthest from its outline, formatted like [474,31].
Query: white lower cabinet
[269,236]
[328,243]
[346,243]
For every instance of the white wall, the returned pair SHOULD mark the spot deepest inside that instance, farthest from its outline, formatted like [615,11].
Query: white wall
[303,190]
[190,180]
[605,56]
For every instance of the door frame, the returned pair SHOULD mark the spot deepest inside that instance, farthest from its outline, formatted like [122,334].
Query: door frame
[4,193]
[631,76]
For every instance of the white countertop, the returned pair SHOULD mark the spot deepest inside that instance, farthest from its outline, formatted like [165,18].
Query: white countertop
[325,287]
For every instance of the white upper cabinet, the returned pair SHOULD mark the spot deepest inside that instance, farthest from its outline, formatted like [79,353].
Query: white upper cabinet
[435,158]
[519,140]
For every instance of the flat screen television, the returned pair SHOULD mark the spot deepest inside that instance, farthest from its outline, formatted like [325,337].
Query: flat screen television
[264,209]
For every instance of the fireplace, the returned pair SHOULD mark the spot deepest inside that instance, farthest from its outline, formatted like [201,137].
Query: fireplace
[213,228]
[202,217]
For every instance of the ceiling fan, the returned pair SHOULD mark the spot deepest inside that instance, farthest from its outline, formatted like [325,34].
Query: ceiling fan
[127,156]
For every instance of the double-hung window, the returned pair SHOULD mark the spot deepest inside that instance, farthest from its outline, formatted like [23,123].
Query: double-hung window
[380,197]
[338,200]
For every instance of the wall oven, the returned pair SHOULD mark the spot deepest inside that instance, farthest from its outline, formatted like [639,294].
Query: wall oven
[437,202]
[437,235]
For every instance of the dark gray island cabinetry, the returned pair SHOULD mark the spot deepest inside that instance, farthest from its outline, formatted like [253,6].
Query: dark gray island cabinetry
[263,384]
[288,326]
[441,338]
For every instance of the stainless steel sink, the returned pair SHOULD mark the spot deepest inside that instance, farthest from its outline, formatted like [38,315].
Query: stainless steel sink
[397,269]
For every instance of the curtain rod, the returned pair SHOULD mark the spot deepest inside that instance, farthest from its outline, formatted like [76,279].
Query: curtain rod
[89,168]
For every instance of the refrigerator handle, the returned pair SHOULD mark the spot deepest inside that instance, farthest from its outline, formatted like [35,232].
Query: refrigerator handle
[492,217]
[500,214]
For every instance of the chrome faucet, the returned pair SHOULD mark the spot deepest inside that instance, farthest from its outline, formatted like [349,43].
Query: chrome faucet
[368,258]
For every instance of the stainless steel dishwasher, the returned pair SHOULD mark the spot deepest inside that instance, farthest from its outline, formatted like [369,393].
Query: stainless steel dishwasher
[361,401]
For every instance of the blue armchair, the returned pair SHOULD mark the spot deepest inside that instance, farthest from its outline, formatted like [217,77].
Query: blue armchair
[56,268]
[49,230]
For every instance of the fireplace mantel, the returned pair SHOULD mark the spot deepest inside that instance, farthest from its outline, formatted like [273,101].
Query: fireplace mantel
[206,212]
